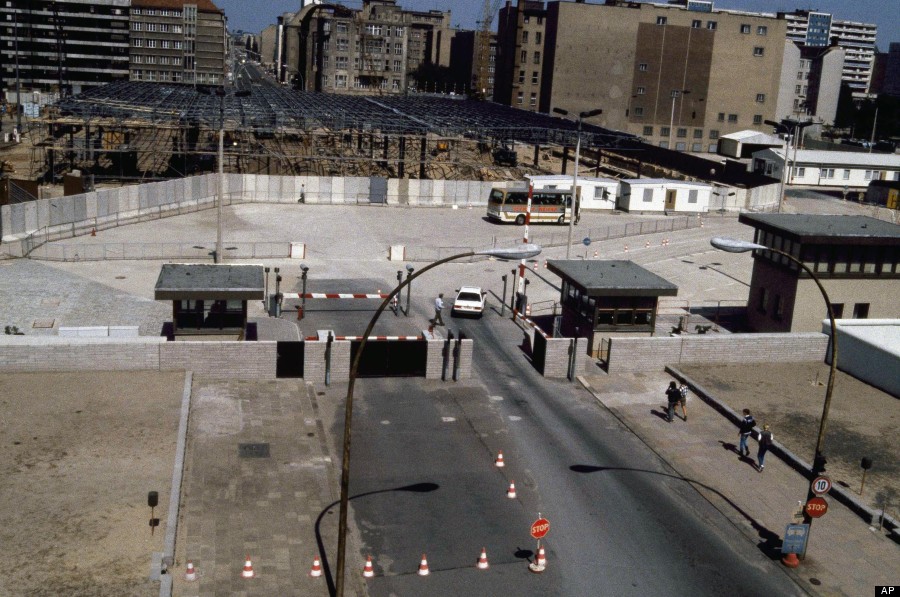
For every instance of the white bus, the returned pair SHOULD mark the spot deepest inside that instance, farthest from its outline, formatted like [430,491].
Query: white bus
[550,206]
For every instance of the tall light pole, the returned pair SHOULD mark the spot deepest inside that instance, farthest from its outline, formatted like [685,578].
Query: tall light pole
[575,204]
[675,94]
[792,129]
[520,252]
[738,246]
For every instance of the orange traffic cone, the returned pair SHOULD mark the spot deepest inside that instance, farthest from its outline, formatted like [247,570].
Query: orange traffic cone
[595,254]
[499,462]
[535,266]
[540,562]
[647,246]
[191,573]
[482,560]
[511,492]
[626,248]
[423,567]
[545,264]
[790,560]
[316,567]
[368,571]
[247,572]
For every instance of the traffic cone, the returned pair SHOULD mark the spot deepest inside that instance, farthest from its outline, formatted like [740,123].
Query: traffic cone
[316,567]
[626,248]
[535,266]
[790,560]
[368,571]
[511,492]
[540,562]
[545,264]
[482,560]
[595,254]
[423,567]
[247,572]
[191,573]
[648,245]
[499,462]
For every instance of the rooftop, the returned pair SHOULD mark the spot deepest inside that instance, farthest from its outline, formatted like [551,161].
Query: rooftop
[612,278]
[825,228]
[207,281]
[849,158]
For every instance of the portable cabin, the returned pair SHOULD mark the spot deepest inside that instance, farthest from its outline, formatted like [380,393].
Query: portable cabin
[663,195]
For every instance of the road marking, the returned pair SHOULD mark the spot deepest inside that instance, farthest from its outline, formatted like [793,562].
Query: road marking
[515,418]
[448,419]
[495,398]
[385,422]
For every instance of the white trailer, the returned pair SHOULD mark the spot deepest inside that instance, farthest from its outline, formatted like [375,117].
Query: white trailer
[663,195]
[595,193]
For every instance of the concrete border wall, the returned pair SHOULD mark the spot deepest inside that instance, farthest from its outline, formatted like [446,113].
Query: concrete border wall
[651,354]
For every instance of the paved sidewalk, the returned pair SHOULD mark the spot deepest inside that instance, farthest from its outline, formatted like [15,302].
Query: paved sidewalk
[844,556]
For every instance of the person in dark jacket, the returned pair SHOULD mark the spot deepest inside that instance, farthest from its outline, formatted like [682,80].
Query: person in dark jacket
[745,429]
[765,442]
[673,394]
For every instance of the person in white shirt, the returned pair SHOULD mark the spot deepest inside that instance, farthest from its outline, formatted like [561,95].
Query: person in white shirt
[438,306]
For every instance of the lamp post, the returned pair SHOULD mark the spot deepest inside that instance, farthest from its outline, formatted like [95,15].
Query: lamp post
[409,272]
[738,246]
[303,271]
[522,251]
[792,130]
[675,94]
[575,204]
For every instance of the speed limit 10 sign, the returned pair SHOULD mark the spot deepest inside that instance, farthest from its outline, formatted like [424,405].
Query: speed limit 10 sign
[821,485]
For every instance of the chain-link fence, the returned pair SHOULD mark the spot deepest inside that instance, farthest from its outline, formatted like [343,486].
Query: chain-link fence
[158,251]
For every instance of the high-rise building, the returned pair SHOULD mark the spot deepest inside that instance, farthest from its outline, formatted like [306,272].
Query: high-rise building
[177,41]
[679,75]
[810,82]
[329,47]
[62,45]
[892,71]
[813,28]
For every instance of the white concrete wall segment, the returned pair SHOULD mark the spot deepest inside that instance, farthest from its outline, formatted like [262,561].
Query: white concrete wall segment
[869,350]
[641,354]
[52,353]
[220,360]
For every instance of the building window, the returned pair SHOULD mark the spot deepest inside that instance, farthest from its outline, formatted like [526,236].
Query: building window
[762,30]
[534,78]
[721,117]
[758,51]
[861,311]
[801,172]
[520,98]
[827,172]
[760,98]
[532,101]
[648,131]
[779,308]
[680,146]
[763,300]
[664,144]
[713,148]
[340,81]
[696,147]
[732,118]
[521,77]
[524,37]
[757,119]
[638,112]
[648,195]
[711,25]
[641,91]
[838,310]
[537,57]
[797,89]
[664,131]
[151,43]
[642,67]
[523,56]
[872,175]
[537,37]
[696,24]
[713,134]
[745,29]
[681,133]
[660,20]
[846,175]
[698,134]
[526,19]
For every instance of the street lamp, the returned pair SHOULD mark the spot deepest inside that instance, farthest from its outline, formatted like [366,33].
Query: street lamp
[409,272]
[738,246]
[675,94]
[574,206]
[522,251]
[793,131]
[303,270]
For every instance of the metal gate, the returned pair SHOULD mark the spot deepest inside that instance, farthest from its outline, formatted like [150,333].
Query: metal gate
[377,189]
[386,358]
[289,361]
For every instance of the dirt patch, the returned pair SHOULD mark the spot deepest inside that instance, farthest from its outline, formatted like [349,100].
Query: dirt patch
[862,420]
[78,454]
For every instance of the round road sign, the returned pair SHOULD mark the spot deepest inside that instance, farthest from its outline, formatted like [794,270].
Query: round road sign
[821,485]
[540,527]
[816,507]
[587,241]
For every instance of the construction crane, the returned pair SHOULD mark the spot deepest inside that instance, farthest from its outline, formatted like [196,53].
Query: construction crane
[483,48]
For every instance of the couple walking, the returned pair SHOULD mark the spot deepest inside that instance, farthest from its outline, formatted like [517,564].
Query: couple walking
[676,395]
[745,429]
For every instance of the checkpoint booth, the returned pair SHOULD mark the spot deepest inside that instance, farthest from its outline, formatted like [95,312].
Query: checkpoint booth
[604,298]
[209,299]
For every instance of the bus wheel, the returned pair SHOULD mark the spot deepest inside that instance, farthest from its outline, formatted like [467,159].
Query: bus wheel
[520,220]
[561,220]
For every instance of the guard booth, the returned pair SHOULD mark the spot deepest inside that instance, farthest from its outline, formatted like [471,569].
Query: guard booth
[209,299]
[601,299]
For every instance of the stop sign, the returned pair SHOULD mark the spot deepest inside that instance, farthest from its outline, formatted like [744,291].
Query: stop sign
[816,507]
[540,527]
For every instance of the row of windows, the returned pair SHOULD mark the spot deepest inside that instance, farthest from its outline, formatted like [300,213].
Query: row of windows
[341,81]
[760,97]
[532,101]
[152,75]
[534,77]
[156,12]
[342,62]
[681,132]
[140,59]
[695,147]
[828,173]
[830,259]
[523,57]
[538,37]
[156,43]
[714,25]
[161,27]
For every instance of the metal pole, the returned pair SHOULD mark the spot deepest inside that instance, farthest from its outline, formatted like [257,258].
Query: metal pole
[874,122]
[219,255]
[503,301]
[783,185]
[574,191]
[672,118]
[18,81]
[303,270]
[409,273]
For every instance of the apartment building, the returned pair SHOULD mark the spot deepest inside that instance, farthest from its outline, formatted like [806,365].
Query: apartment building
[679,75]
[177,41]
[810,82]
[62,45]
[814,28]
[363,51]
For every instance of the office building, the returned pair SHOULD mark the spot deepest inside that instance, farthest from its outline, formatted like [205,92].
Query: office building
[810,82]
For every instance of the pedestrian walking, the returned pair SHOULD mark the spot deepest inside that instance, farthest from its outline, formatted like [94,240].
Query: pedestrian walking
[765,442]
[438,306]
[745,429]
[683,390]
[673,394]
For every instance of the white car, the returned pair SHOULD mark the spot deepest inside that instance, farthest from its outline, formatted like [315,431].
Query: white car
[469,301]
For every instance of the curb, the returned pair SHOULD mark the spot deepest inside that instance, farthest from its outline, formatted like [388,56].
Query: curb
[798,464]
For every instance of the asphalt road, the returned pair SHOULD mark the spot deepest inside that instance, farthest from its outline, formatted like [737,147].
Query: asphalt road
[622,522]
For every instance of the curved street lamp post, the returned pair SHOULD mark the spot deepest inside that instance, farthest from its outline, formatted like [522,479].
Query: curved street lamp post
[739,246]
[522,251]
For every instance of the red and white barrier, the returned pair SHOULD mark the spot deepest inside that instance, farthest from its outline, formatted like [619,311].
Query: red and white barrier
[335,295]
[379,338]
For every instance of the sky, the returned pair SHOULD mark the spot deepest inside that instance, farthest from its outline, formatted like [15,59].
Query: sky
[252,16]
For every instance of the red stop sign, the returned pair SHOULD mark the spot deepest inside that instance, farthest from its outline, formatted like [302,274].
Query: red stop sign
[540,527]
[816,507]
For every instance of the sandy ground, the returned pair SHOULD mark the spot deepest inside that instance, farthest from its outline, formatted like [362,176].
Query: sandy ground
[862,420]
[78,454]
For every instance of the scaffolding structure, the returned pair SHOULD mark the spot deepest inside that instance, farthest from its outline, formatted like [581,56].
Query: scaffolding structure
[129,130]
